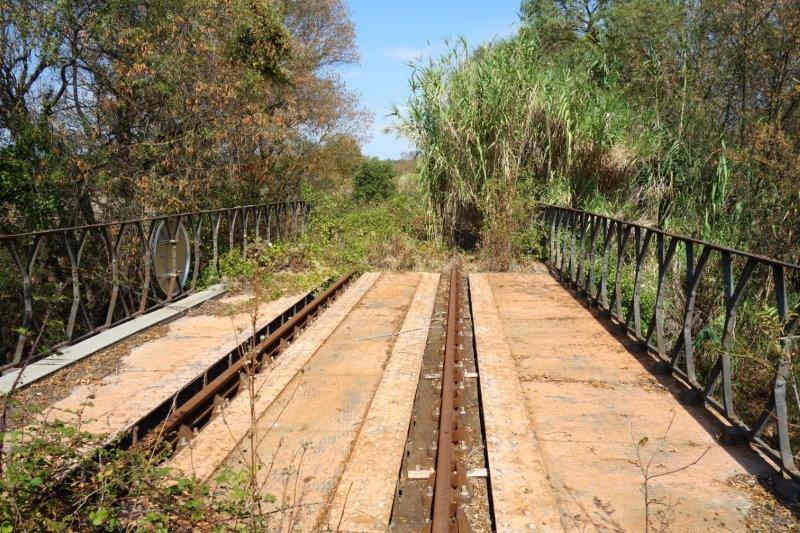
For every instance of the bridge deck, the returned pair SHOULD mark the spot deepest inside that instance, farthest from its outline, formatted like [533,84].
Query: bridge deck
[332,415]
[589,402]
[573,420]
[156,370]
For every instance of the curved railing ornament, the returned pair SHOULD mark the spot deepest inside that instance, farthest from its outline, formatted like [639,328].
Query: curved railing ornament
[66,284]
[583,247]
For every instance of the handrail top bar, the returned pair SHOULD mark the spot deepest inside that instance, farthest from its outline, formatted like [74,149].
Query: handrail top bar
[718,247]
[40,233]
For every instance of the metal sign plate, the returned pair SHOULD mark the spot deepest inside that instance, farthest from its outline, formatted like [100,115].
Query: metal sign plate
[166,237]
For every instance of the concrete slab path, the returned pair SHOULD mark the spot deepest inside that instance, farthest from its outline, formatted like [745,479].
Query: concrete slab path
[590,404]
[365,492]
[154,371]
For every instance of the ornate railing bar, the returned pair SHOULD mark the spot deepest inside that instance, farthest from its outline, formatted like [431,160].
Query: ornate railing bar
[573,256]
[121,281]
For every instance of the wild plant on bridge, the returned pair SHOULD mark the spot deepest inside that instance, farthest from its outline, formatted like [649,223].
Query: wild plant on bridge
[494,127]
[645,465]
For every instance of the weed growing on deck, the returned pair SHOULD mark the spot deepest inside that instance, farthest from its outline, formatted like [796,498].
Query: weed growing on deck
[340,235]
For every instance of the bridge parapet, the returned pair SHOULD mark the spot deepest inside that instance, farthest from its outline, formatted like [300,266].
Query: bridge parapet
[64,285]
[684,308]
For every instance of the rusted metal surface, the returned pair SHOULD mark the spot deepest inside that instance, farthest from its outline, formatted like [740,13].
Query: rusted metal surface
[193,404]
[572,248]
[250,359]
[451,479]
[467,505]
[411,510]
[471,451]
[67,284]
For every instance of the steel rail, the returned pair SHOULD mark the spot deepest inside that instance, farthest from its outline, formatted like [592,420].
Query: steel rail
[447,515]
[250,361]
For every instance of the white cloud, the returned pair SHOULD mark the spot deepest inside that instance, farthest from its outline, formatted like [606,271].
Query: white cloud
[406,54]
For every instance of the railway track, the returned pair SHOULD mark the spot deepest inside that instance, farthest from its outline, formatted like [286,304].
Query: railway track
[451,490]
[178,419]
[443,483]
[451,440]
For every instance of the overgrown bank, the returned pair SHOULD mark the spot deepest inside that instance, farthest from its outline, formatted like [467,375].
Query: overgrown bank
[654,111]
[343,234]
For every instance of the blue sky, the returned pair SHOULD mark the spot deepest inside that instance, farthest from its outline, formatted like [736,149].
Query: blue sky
[391,33]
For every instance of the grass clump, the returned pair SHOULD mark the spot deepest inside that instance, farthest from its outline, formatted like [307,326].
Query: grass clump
[57,477]
[342,234]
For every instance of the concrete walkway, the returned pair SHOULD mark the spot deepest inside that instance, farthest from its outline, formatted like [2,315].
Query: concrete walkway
[590,405]
[154,371]
[327,425]
[76,352]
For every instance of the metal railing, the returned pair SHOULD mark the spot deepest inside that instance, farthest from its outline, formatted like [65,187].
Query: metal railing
[692,301]
[63,285]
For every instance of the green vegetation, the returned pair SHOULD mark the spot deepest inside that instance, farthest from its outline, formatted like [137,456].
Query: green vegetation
[57,477]
[114,110]
[374,180]
[342,234]
[680,114]
[47,485]
[128,109]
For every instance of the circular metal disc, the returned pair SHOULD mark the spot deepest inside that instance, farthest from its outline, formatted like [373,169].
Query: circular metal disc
[161,248]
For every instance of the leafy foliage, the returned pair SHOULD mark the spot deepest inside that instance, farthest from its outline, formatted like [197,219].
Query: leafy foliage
[262,42]
[166,105]
[657,111]
[374,180]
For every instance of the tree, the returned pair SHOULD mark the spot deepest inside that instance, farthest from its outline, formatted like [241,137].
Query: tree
[374,180]
[166,104]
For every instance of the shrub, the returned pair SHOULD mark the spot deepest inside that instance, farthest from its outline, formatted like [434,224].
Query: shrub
[374,180]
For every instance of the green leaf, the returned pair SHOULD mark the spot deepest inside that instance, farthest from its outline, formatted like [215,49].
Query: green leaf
[99,516]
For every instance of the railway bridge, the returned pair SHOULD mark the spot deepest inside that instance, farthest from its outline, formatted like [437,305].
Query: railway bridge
[633,380]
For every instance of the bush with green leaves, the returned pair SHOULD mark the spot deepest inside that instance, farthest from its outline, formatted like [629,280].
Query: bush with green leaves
[341,234]
[374,180]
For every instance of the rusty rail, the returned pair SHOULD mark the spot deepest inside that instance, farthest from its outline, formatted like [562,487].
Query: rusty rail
[451,478]
[694,341]
[194,404]
[64,285]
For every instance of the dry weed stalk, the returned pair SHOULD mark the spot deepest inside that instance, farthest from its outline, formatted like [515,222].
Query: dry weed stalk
[647,476]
